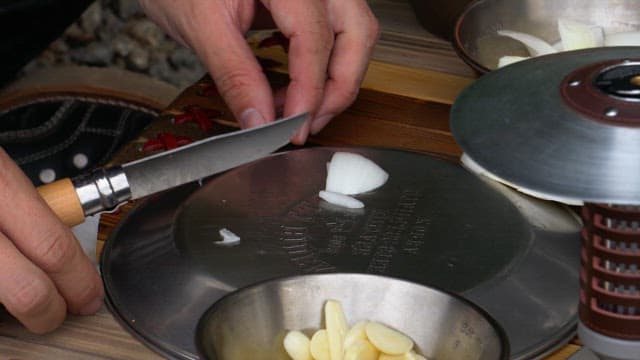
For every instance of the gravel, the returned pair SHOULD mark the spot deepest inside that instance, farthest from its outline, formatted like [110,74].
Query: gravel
[116,33]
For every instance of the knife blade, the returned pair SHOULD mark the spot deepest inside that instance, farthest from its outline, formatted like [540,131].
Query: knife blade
[106,188]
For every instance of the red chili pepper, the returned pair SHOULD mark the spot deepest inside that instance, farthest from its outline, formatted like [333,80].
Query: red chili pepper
[165,141]
[200,116]
[209,91]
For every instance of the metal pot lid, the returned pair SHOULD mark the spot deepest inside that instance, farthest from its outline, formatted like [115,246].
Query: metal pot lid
[565,126]
[433,223]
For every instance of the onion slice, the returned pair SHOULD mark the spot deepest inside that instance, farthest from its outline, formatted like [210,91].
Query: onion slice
[628,38]
[577,35]
[534,44]
[350,174]
[341,199]
[510,59]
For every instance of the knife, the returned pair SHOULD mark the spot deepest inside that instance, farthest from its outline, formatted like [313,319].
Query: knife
[106,188]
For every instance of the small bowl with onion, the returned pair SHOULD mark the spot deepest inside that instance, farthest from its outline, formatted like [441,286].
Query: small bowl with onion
[347,316]
[490,34]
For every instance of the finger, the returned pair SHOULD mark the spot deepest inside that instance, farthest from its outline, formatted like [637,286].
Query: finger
[27,293]
[305,23]
[233,67]
[43,239]
[356,31]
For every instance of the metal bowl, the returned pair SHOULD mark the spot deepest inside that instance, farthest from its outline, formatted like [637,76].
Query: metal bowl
[478,44]
[438,16]
[250,323]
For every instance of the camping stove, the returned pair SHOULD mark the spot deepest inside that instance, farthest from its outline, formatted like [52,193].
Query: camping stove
[610,280]
[566,127]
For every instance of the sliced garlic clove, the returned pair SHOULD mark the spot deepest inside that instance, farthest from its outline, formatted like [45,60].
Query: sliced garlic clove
[361,349]
[411,355]
[384,356]
[337,327]
[578,35]
[355,333]
[508,60]
[341,199]
[415,356]
[388,340]
[296,344]
[534,44]
[319,345]
[629,38]
[350,174]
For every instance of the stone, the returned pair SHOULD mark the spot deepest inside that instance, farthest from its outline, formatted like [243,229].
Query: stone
[138,59]
[122,45]
[112,25]
[96,54]
[183,57]
[116,33]
[59,47]
[76,35]
[126,8]
[91,19]
[146,32]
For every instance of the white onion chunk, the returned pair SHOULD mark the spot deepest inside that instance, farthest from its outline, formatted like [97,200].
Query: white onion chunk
[509,59]
[628,38]
[350,174]
[576,35]
[228,238]
[534,44]
[341,199]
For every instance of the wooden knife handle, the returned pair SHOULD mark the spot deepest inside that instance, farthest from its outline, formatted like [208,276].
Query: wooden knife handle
[62,198]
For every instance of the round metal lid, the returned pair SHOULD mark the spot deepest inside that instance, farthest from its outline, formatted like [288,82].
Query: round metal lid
[432,222]
[565,126]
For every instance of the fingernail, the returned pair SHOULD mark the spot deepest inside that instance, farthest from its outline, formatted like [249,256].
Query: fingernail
[251,118]
[92,307]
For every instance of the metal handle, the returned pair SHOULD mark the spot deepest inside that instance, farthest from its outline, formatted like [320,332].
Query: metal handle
[102,190]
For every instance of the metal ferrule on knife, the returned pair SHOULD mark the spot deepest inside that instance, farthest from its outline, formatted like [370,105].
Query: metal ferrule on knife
[102,190]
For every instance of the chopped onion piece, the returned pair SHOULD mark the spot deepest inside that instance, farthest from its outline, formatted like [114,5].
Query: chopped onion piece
[228,238]
[350,174]
[341,199]
[509,59]
[577,35]
[534,44]
[629,38]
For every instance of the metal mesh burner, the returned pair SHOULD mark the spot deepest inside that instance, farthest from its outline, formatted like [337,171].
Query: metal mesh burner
[610,276]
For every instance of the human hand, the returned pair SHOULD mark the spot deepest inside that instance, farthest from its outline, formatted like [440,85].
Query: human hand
[43,271]
[330,43]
